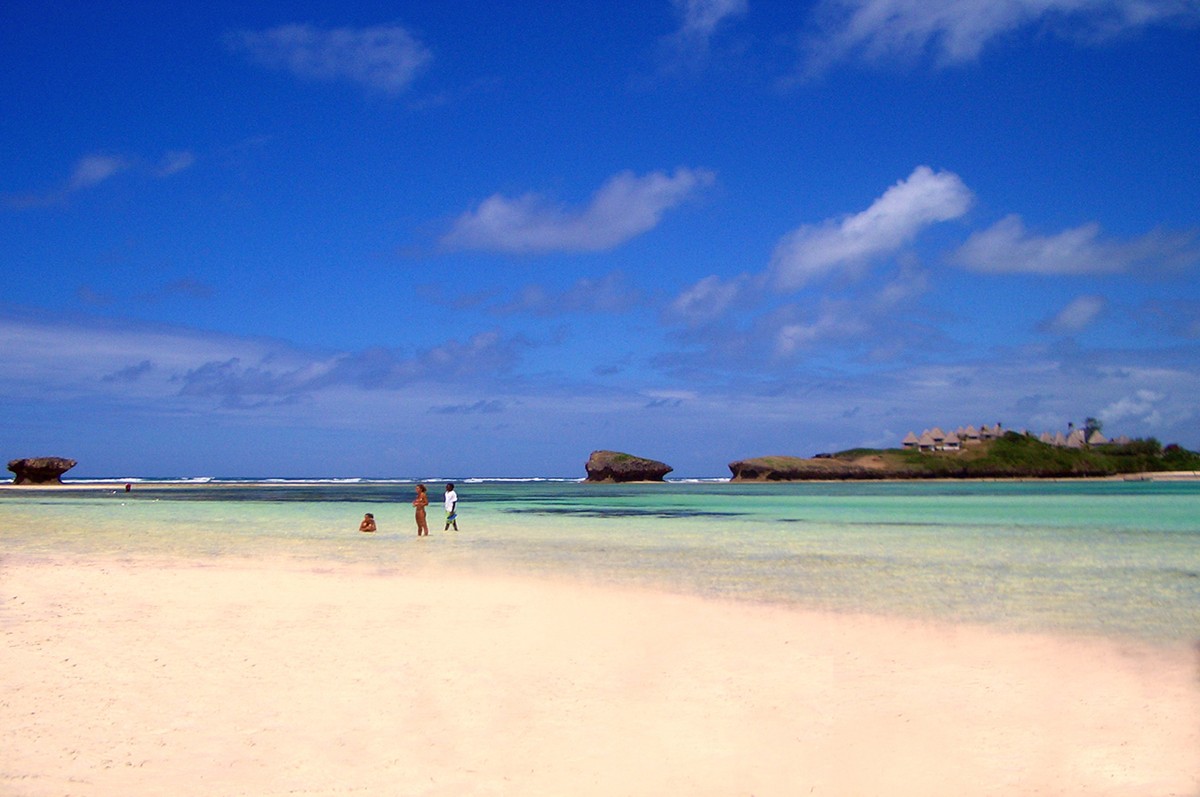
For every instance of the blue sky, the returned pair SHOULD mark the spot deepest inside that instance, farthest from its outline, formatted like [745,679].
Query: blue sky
[449,238]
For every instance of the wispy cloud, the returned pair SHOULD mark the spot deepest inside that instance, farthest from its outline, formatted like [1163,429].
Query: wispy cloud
[846,246]
[89,295]
[610,294]
[624,207]
[1177,317]
[873,321]
[1078,315]
[481,407]
[1143,406]
[131,373]
[1008,248]
[699,20]
[858,320]
[95,169]
[850,244]
[834,320]
[175,162]
[710,299]
[957,31]
[235,383]
[184,288]
[385,58]
[88,172]
[486,353]
[177,365]
[77,354]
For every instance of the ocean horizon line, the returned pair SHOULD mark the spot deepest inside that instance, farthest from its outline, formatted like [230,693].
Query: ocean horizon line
[339,480]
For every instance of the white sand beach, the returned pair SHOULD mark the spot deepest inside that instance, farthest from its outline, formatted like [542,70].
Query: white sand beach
[263,678]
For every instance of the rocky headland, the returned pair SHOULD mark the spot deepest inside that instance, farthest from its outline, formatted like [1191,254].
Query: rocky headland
[781,468]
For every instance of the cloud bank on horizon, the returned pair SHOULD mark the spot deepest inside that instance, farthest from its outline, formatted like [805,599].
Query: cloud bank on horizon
[463,242]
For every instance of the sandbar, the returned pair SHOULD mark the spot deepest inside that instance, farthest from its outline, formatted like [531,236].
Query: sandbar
[234,677]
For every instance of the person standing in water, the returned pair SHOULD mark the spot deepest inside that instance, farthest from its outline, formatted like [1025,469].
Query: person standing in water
[420,502]
[368,523]
[451,507]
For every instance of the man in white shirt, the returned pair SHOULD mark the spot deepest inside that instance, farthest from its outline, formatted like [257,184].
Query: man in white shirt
[451,507]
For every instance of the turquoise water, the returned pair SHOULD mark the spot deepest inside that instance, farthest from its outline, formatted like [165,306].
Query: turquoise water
[1120,559]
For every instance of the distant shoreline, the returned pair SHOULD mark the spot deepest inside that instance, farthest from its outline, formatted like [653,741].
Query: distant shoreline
[119,485]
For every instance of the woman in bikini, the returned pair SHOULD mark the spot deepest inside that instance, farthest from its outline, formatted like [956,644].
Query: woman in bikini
[420,502]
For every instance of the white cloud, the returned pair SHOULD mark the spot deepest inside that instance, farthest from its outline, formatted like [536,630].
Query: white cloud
[88,172]
[871,317]
[1008,248]
[1142,406]
[174,162]
[385,57]
[846,245]
[609,294]
[898,294]
[813,251]
[93,170]
[1077,315]
[836,320]
[707,300]
[624,207]
[700,18]
[956,31]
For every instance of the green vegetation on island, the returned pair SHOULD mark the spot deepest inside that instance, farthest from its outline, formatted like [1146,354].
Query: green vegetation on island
[1012,455]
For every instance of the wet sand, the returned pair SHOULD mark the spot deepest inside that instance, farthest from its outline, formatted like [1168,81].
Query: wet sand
[137,677]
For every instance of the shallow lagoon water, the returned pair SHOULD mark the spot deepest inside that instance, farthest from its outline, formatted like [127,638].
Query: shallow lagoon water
[1120,559]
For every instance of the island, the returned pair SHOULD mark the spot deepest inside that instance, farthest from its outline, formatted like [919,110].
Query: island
[40,470]
[1009,455]
[616,466]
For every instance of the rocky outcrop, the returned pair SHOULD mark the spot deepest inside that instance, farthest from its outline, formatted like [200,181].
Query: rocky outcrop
[613,466]
[777,469]
[40,470]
